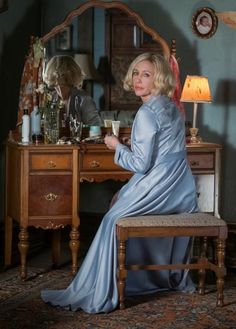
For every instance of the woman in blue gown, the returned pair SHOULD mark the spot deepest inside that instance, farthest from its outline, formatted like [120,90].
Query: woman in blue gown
[162,184]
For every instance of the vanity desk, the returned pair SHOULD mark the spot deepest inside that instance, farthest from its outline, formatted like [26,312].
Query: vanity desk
[42,188]
[43,181]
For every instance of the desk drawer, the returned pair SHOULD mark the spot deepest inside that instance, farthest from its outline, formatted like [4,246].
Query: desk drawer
[97,162]
[201,161]
[54,161]
[50,195]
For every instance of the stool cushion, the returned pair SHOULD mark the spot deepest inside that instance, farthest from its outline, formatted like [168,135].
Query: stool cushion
[187,220]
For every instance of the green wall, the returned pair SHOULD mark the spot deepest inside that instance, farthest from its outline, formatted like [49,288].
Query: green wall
[214,57]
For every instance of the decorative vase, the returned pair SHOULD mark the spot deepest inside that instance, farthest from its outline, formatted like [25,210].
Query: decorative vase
[51,124]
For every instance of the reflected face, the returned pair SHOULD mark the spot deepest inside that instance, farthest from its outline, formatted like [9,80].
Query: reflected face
[63,91]
[143,79]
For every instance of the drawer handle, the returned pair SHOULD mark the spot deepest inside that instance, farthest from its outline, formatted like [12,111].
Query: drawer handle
[52,225]
[51,164]
[50,197]
[94,164]
[194,163]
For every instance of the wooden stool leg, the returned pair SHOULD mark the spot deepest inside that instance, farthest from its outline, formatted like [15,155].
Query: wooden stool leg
[202,271]
[23,247]
[220,271]
[122,272]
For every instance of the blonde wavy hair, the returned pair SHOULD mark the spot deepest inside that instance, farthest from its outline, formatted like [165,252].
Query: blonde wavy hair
[63,70]
[164,80]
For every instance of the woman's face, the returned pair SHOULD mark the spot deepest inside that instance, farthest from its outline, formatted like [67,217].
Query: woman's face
[143,79]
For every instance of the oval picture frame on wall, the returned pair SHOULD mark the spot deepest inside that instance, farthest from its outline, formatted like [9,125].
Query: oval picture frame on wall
[204,23]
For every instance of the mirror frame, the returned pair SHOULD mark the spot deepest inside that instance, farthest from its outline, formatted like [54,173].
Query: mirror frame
[108,5]
[167,50]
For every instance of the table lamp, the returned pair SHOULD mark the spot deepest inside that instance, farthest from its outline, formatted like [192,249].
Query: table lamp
[196,90]
[87,66]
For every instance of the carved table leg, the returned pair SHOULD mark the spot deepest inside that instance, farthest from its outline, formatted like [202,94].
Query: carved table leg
[23,247]
[122,272]
[8,241]
[220,271]
[202,271]
[74,246]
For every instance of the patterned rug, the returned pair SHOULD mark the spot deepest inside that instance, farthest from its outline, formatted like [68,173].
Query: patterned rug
[22,308]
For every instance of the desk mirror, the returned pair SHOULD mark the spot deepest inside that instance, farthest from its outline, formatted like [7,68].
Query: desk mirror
[110,35]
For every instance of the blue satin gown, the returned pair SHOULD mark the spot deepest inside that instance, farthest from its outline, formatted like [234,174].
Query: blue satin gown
[162,184]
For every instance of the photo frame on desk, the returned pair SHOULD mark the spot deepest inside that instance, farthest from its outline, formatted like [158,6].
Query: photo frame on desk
[3,5]
[204,22]
[64,39]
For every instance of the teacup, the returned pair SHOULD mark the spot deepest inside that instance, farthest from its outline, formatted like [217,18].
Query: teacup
[107,123]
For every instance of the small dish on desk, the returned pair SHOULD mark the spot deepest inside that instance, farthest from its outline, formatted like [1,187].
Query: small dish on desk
[93,139]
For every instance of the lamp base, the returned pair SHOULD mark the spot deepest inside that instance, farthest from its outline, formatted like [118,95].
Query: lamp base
[194,137]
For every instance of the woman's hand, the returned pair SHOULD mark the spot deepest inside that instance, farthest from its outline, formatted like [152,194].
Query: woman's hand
[111,141]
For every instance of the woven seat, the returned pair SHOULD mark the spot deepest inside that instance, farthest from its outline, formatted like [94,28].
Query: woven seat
[196,219]
[194,225]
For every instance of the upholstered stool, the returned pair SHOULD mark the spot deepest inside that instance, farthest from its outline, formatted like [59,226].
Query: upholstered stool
[194,225]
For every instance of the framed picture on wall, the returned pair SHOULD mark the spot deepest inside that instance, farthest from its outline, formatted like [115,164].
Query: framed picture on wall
[64,39]
[3,5]
[204,22]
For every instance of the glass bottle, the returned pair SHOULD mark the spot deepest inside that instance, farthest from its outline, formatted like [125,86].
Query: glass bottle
[35,121]
[25,127]
[51,124]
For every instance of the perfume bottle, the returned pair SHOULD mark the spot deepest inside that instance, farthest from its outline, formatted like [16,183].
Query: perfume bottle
[25,127]
[35,121]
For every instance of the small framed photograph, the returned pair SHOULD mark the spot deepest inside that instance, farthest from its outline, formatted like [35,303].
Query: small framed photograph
[204,22]
[3,5]
[63,39]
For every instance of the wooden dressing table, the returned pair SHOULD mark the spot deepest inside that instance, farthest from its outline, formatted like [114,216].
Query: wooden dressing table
[42,187]
[42,182]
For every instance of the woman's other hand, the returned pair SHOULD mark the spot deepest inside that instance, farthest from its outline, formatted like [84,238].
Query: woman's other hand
[111,141]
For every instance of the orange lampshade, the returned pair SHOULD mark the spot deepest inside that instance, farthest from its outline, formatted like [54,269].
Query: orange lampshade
[196,90]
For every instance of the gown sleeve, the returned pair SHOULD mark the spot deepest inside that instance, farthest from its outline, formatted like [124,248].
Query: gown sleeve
[138,159]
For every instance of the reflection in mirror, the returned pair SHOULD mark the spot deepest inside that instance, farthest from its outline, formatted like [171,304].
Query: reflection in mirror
[113,37]
[87,47]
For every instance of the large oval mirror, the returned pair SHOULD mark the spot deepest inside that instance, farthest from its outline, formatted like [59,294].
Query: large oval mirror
[111,34]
